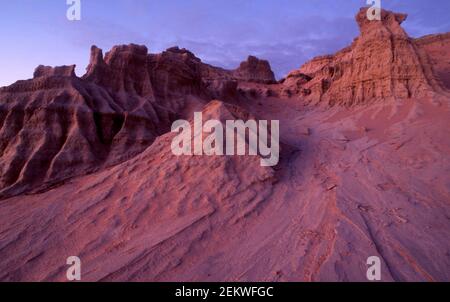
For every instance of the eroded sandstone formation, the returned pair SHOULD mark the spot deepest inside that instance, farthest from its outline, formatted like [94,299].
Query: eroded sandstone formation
[124,69]
[57,126]
[255,70]
[437,48]
[383,62]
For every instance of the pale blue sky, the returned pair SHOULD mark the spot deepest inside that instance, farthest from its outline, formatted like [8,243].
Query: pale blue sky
[286,32]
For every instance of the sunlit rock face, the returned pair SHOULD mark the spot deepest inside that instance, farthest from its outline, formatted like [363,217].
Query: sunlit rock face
[383,62]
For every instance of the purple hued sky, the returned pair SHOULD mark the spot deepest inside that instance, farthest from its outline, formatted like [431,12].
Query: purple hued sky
[222,33]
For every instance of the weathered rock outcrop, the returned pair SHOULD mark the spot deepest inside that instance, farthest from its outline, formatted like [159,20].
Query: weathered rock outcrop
[175,73]
[230,84]
[437,48]
[255,70]
[124,69]
[57,126]
[383,62]
[48,71]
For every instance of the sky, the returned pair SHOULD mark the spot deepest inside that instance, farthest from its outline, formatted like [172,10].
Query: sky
[220,32]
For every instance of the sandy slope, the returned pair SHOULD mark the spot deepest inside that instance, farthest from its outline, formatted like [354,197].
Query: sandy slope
[353,183]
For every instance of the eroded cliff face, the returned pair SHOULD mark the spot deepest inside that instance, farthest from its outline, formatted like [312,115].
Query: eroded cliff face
[124,69]
[382,63]
[255,70]
[57,125]
[437,48]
